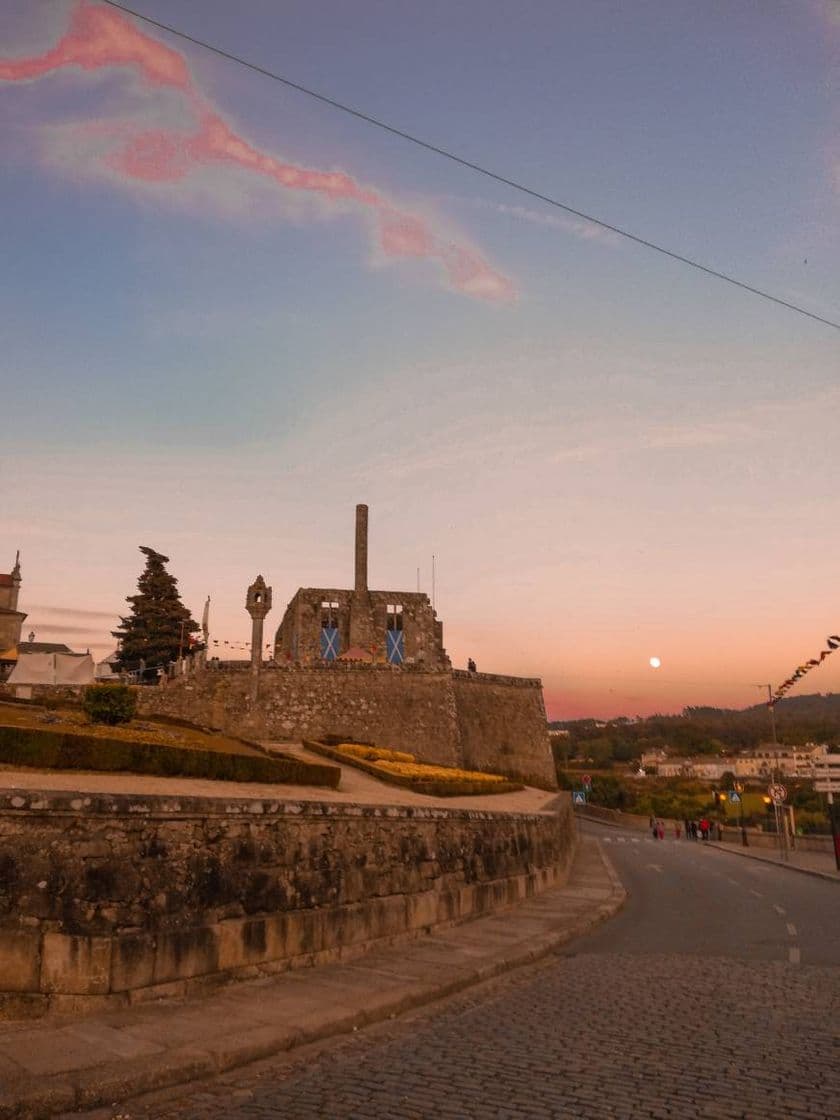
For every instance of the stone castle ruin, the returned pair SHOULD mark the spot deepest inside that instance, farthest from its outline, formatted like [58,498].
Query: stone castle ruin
[397,627]
[369,666]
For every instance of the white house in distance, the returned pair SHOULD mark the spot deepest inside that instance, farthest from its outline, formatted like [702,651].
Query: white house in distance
[767,761]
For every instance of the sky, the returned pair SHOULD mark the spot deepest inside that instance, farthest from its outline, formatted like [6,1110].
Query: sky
[229,312]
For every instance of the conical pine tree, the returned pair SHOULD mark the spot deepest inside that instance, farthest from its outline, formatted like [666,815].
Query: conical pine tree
[159,625]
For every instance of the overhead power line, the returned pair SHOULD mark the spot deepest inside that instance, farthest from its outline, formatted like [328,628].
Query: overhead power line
[470,165]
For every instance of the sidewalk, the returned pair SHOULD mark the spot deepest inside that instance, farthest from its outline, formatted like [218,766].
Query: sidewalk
[821,864]
[58,1065]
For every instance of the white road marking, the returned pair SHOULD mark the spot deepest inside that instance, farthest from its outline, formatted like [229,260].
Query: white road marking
[757,894]
[791,928]
[733,881]
[635,840]
[780,910]
[654,867]
[794,955]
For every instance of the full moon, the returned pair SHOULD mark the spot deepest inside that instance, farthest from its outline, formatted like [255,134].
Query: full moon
[655,663]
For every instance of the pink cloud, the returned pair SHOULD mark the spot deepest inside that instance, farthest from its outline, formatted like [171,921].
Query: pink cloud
[100,38]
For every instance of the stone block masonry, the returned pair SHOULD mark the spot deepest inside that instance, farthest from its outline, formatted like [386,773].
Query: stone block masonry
[478,720]
[107,900]
[413,711]
[502,726]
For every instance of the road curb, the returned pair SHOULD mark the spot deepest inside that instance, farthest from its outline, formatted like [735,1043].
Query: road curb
[828,876]
[37,1098]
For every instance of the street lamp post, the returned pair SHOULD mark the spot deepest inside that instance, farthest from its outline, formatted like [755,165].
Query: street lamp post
[772,709]
[739,789]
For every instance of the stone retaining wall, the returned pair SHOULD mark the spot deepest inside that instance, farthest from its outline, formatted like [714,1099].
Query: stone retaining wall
[478,720]
[110,899]
[412,711]
[502,726]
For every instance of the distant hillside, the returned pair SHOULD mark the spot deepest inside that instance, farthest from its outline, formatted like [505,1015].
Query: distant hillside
[799,719]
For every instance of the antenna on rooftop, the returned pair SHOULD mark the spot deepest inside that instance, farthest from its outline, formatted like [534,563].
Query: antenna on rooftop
[433,581]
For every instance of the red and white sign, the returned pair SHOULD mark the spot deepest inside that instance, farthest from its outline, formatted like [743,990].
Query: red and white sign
[778,793]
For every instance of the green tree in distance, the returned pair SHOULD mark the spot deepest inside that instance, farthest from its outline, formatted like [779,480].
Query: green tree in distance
[159,624]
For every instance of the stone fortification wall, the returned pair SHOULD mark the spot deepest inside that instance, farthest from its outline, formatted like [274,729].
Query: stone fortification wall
[412,711]
[503,726]
[110,899]
[478,720]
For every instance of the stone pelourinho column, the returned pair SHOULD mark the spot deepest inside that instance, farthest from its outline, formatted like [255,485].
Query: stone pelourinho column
[257,604]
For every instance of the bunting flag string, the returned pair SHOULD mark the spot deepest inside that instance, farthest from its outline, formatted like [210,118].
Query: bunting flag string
[237,645]
[832,643]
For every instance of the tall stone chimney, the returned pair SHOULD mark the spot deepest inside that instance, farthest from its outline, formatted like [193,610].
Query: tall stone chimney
[361,549]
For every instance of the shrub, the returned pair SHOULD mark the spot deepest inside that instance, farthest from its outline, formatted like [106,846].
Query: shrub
[373,754]
[57,750]
[436,781]
[109,703]
[423,772]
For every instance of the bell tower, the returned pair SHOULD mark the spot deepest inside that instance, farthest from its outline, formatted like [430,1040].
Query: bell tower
[11,619]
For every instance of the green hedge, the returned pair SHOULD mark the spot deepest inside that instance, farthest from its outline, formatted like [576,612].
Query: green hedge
[109,703]
[56,750]
[431,789]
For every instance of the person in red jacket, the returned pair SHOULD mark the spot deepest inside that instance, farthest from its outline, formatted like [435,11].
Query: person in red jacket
[704,828]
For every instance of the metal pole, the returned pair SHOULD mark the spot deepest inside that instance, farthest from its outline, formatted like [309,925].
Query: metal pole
[835,831]
[772,708]
[781,834]
[739,789]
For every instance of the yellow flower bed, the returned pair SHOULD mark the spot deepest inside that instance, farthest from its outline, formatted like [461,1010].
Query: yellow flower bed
[373,754]
[420,772]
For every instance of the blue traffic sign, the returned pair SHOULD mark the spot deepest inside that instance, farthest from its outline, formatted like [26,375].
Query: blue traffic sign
[578,797]
[734,796]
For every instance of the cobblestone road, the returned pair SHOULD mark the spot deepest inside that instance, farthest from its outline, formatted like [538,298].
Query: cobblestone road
[715,994]
[597,1033]
[693,1002]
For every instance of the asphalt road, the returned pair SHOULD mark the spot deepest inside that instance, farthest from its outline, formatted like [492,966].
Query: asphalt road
[714,993]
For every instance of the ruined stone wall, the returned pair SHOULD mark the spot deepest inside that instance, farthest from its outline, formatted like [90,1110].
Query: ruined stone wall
[299,635]
[107,899]
[502,726]
[362,619]
[407,710]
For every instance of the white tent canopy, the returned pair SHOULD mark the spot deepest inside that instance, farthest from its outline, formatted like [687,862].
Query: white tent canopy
[53,668]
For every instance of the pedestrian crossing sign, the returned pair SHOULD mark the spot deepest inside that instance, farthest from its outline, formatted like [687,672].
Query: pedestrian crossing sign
[734,796]
[578,797]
